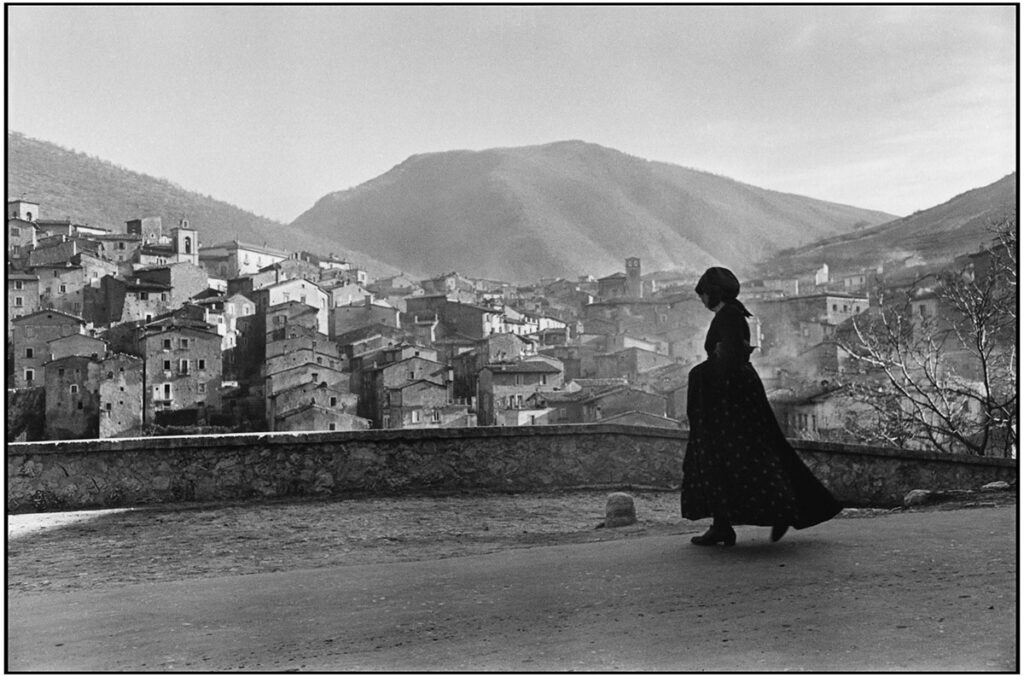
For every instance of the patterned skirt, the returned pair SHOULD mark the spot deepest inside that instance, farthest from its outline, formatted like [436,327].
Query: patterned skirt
[738,463]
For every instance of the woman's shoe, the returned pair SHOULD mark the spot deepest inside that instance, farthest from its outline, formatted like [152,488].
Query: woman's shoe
[715,535]
[778,531]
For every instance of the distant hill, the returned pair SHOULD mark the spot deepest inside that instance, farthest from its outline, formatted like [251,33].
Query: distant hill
[95,192]
[565,209]
[933,236]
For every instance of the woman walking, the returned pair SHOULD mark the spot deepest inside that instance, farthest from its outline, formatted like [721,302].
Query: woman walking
[738,467]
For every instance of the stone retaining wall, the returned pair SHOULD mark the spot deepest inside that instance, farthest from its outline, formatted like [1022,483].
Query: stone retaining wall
[127,472]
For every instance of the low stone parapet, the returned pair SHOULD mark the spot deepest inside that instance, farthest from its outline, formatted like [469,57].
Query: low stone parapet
[72,475]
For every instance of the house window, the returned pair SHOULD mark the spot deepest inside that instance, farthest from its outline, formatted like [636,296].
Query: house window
[167,391]
[316,376]
[167,365]
[416,416]
[202,387]
[81,405]
[334,401]
[15,231]
[163,296]
[435,416]
[30,375]
[63,289]
[519,379]
[109,406]
[110,374]
[60,373]
[120,245]
[201,365]
[183,366]
[143,296]
[184,344]
[835,307]
[519,401]
[19,285]
[167,344]
[386,421]
[74,388]
[332,426]
[543,379]
[29,353]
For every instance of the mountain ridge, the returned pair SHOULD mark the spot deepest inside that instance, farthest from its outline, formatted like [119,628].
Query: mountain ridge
[563,209]
[93,191]
[931,236]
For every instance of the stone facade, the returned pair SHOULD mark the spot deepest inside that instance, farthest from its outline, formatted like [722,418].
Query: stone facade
[126,472]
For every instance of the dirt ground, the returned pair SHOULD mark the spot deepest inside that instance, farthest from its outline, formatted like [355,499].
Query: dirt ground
[49,552]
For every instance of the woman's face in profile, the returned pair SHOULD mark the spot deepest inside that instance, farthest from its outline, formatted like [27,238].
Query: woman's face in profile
[706,300]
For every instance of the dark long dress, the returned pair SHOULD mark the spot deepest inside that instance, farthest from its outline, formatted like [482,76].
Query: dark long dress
[738,464]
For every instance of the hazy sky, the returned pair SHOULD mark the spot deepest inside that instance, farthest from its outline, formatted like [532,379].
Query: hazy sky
[895,108]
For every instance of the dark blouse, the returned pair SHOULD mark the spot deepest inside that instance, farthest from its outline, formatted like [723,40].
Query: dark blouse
[728,340]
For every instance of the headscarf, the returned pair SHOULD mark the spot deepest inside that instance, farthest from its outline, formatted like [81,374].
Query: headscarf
[720,284]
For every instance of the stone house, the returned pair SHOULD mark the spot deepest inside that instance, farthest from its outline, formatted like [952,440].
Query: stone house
[311,416]
[669,381]
[504,389]
[294,347]
[492,349]
[75,286]
[579,361]
[183,279]
[149,229]
[22,295]
[303,291]
[232,259]
[60,249]
[287,378]
[790,325]
[812,409]
[630,363]
[612,286]
[72,398]
[344,293]
[463,320]
[642,418]
[369,339]
[182,366]
[314,404]
[118,247]
[129,300]
[121,395]
[22,237]
[592,404]
[30,339]
[396,285]
[424,403]
[376,382]
[362,313]
[77,344]
[612,402]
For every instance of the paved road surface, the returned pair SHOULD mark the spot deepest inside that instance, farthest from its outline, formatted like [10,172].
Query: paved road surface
[921,591]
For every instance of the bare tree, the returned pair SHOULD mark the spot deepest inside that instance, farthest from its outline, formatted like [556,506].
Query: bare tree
[945,379]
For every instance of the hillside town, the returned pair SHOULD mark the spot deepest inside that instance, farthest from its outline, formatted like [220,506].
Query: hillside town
[147,331]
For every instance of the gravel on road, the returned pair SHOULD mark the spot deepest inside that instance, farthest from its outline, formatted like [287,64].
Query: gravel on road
[103,548]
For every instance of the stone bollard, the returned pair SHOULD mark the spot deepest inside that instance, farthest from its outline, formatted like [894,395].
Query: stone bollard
[620,510]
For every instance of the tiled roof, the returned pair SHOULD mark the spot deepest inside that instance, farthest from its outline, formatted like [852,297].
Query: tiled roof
[531,367]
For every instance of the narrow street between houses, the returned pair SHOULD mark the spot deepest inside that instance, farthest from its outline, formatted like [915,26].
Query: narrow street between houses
[521,583]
